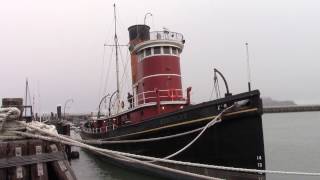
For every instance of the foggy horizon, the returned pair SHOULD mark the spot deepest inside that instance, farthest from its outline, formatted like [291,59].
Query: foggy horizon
[59,47]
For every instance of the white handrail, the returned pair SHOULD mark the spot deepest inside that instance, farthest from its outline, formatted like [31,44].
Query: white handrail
[143,96]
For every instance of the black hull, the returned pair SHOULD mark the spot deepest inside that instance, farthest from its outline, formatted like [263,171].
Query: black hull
[235,142]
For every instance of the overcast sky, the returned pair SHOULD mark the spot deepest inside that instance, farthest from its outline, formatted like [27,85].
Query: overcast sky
[59,46]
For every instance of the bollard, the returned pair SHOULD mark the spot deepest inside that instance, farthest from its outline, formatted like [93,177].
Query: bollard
[59,112]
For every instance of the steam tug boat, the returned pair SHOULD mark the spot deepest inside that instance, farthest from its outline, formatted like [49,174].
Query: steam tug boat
[158,107]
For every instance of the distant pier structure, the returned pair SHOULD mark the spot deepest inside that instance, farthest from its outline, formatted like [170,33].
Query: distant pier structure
[295,108]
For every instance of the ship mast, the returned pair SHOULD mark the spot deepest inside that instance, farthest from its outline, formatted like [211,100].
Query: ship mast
[248,66]
[26,98]
[117,60]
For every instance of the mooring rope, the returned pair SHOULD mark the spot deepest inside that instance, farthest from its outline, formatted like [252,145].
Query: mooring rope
[217,119]
[134,157]
[65,140]
[100,142]
[72,142]
[112,154]
[8,113]
[132,160]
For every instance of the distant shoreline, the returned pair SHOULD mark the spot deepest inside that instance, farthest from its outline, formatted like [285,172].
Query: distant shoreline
[290,108]
[267,101]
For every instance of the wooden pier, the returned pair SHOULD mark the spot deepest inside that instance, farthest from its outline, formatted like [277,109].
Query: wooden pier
[34,159]
[29,158]
[297,108]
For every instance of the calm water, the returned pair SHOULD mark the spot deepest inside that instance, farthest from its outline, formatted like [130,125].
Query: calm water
[292,142]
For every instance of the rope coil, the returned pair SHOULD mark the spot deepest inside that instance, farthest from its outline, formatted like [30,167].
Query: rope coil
[10,113]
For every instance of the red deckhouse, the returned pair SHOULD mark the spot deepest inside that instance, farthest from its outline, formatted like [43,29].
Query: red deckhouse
[156,75]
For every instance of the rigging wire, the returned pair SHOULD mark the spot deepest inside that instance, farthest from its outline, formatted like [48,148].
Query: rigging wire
[124,65]
[102,72]
[106,85]
[39,103]
[29,95]
[128,77]
[117,22]
[124,77]
[213,89]
[126,87]
[153,26]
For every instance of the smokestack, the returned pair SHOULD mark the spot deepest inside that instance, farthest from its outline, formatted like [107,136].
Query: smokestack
[137,34]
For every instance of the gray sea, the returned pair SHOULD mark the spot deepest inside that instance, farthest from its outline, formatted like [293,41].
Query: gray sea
[292,143]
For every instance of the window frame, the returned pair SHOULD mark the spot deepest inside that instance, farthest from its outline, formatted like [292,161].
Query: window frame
[146,52]
[176,51]
[169,50]
[160,50]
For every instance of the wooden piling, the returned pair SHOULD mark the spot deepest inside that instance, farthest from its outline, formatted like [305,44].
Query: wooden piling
[3,154]
[34,159]
[59,112]
[18,148]
[39,171]
[62,168]
[63,127]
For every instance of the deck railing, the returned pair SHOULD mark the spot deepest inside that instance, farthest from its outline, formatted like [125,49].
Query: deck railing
[103,129]
[163,95]
[166,35]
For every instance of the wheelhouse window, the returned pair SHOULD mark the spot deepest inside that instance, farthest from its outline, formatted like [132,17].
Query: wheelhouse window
[140,55]
[166,50]
[148,51]
[157,50]
[174,51]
